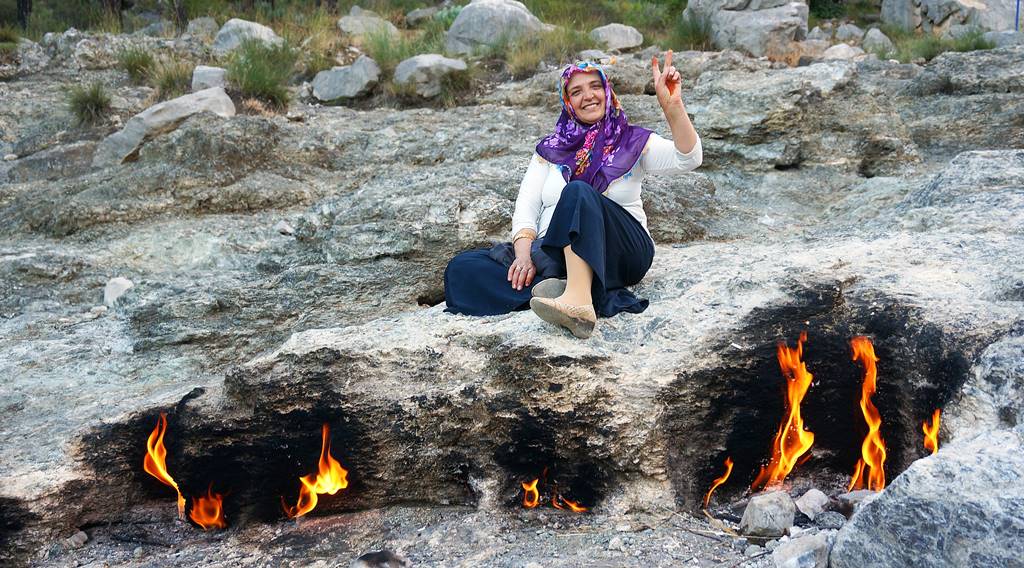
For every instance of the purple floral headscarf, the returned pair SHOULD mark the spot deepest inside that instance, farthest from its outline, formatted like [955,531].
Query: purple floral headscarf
[573,143]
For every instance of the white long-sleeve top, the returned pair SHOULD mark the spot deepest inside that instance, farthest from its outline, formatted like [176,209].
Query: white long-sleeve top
[543,183]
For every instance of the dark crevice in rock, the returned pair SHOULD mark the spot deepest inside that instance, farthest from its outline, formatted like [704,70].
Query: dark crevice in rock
[14,517]
[735,409]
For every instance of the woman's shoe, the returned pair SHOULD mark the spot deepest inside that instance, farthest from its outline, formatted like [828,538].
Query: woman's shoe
[580,320]
[549,288]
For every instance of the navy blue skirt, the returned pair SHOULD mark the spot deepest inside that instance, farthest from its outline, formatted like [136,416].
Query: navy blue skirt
[600,231]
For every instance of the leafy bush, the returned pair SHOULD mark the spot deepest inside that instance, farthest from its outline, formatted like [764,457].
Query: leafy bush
[8,40]
[171,78]
[90,104]
[138,63]
[972,41]
[445,16]
[261,71]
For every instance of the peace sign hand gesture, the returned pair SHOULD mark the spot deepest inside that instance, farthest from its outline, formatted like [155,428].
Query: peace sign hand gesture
[667,83]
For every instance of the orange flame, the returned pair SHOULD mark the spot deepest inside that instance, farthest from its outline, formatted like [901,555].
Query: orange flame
[155,462]
[873,449]
[931,433]
[330,479]
[565,503]
[208,511]
[531,497]
[792,440]
[719,481]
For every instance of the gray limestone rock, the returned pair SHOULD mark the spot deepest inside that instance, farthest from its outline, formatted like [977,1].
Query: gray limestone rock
[235,30]
[807,551]
[819,34]
[205,77]
[360,22]
[421,15]
[204,28]
[115,288]
[617,36]
[849,33]
[158,119]
[426,71]
[940,15]
[876,41]
[347,81]
[812,503]
[830,520]
[993,397]
[842,51]
[756,28]
[1004,38]
[768,515]
[970,493]
[484,22]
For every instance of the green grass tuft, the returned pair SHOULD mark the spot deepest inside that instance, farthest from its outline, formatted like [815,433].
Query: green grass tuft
[262,71]
[556,47]
[171,79]
[389,51]
[90,103]
[692,32]
[910,46]
[138,63]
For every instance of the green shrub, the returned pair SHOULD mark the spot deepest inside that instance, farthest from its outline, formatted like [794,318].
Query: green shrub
[138,63]
[457,85]
[445,16]
[909,46]
[261,71]
[171,78]
[90,104]
[9,35]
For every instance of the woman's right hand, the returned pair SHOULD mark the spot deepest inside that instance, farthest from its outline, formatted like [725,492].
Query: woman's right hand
[521,272]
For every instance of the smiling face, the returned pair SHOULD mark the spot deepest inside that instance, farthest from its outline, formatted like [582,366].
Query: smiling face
[586,95]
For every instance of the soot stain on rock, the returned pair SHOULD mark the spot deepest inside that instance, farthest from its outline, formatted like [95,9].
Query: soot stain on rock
[14,518]
[734,409]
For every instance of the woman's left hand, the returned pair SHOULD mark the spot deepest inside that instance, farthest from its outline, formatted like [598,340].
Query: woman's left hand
[667,84]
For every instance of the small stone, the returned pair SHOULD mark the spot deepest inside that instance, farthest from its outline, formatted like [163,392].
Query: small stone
[842,51]
[380,559]
[616,544]
[10,157]
[78,539]
[771,545]
[138,552]
[830,520]
[812,503]
[850,502]
[752,550]
[768,514]
[806,552]
[114,289]
[593,55]
[205,77]
[623,528]
[533,565]
[740,543]
[98,310]
[617,36]
[875,40]
[849,32]
[284,228]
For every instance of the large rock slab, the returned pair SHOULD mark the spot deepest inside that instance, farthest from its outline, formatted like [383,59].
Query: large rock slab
[158,119]
[939,15]
[485,22]
[961,507]
[347,81]
[425,72]
[757,28]
[236,30]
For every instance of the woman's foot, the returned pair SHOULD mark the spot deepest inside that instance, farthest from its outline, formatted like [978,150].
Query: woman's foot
[580,320]
[549,288]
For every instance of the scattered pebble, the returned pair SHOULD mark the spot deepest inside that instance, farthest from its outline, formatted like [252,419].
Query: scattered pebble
[78,539]
[138,552]
[284,228]
[10,157]
[752,550]
[830,520]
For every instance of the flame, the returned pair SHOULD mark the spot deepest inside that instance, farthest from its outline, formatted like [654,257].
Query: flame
[330,479]
[531,497]
[873,449]
[155,462]
[208,511]
[565,503]
[792,440]
[719,481]
[931,433]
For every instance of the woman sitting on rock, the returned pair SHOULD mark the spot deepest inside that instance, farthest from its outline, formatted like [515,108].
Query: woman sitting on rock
[579,213]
